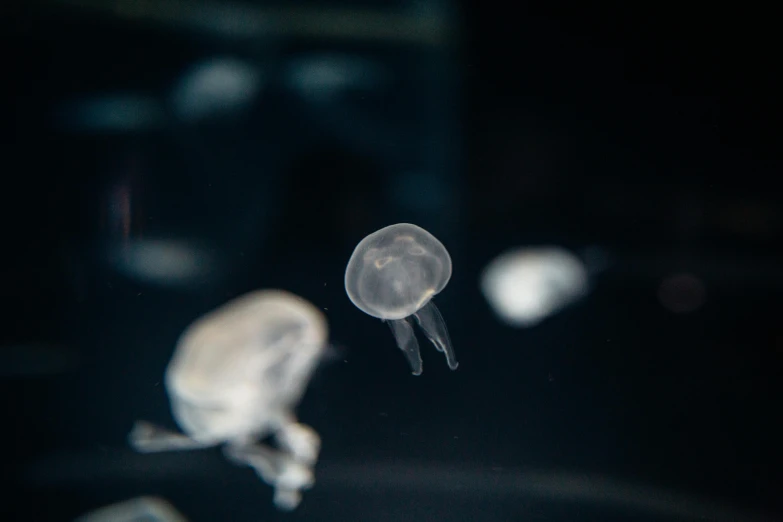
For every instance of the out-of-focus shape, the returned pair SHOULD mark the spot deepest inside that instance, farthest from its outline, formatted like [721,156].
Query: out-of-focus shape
[526,285]
[161,262]
[236,376]
[239,20]
[682,293]
[119,112]
[216,88]
[122,212]
[36,360]
[319,77]
[140,509]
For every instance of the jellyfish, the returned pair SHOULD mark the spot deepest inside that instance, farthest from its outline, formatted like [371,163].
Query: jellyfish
[524,286]
[235,378]
[393,274]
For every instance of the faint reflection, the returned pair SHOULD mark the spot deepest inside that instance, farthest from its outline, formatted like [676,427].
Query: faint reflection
[380,479]
[122,209]
[140,509]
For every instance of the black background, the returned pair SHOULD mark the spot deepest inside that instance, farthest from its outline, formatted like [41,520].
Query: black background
[648,130]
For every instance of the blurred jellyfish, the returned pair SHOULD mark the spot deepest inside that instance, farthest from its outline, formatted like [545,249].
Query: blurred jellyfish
[236,376]
[320,77]
[162,262]
[393,274]
[140,509]
[214,88]
[526,285]
[119,112]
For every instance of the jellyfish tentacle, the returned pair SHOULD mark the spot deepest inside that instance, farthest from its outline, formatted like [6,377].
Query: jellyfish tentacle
[434,327]
[406,341]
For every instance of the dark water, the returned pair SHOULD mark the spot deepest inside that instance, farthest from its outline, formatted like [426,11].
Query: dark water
[595,128]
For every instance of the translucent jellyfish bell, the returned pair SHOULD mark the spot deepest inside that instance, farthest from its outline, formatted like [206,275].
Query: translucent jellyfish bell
[393,274]
[236,376]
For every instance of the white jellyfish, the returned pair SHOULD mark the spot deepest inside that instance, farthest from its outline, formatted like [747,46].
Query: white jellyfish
[526,285]
[235,377]
[393,274]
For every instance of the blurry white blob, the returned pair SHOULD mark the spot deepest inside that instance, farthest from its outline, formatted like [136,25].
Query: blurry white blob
[36,360]
[162,262]
[319,77]
[236,377]
[682,293]
[140,509]
[214,88]
[525,285]
[111,113]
